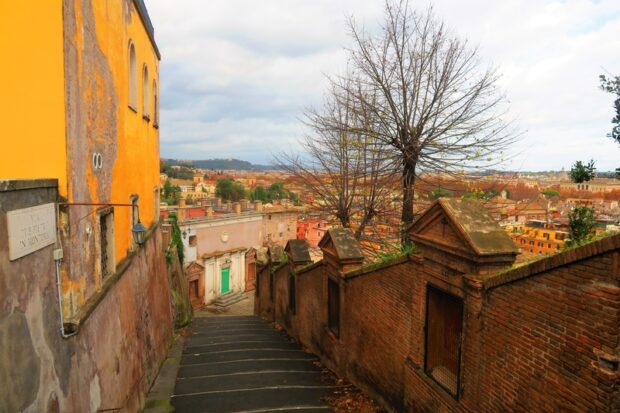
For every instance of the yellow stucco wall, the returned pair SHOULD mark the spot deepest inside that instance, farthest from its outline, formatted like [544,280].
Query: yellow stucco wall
[136,167]
[32,120]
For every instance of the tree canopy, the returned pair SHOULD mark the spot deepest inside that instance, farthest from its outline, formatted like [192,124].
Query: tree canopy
[229,190]
[429,97]
[581,172]
[612,85]
[170,193]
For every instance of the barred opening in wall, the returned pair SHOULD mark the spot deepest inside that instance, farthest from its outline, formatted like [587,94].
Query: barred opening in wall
[106,242]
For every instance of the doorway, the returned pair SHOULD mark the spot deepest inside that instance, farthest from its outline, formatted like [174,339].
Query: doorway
[225,280]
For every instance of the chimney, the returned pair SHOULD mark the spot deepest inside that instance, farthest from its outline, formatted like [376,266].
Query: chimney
[236,208]
[209,211]
[258,206]
[182,203]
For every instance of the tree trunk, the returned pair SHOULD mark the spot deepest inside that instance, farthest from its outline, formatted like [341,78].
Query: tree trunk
[408,192]
[368,216]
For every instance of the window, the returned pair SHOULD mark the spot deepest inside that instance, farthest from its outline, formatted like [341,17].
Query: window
[192,241]
[133,78]
[444,325]
[292,305]
[155,105]
[145,93]
[333,306]
[106,242]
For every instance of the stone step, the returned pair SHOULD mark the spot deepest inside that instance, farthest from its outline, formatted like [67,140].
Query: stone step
[229,299]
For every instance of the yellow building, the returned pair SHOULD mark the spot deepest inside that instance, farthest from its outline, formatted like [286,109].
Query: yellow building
[537,237]
[80,104]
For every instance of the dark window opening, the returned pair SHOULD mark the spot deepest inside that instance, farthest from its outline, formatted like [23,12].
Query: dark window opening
[257,284]
[333,306]
[292,304]
[444,324]
[192,240]
[104,245]
[271,286]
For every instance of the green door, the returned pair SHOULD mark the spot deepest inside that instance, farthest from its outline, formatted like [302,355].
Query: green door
[225,280]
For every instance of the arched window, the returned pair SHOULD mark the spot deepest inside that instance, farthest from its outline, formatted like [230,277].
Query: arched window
[145,92]
[155,104]
[133,78]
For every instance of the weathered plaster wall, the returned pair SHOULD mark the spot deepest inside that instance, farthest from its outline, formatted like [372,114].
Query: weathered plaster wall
[32,109]
[279,227]
[99,123]
[115,355]
[213,274]
[242,232]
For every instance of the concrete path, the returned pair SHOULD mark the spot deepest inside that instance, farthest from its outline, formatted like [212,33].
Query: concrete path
[241,364]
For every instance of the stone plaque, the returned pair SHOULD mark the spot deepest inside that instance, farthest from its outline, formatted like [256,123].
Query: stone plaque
[31,229]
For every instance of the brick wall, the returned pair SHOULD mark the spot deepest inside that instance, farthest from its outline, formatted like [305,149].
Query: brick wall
[282,315]
[551,330]
[544,337]
[263,304]
[377,322]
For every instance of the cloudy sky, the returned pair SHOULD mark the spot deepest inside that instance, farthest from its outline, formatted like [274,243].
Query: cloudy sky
[236,75]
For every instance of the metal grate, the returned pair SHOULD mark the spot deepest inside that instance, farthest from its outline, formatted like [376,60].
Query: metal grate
[103,242]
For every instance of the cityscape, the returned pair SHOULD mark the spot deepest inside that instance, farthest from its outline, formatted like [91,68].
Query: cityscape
[394,237]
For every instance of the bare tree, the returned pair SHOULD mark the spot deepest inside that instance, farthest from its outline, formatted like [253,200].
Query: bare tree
[348,169]
[427,96]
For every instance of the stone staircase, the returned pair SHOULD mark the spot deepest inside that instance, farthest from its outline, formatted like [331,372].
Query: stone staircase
[229,298]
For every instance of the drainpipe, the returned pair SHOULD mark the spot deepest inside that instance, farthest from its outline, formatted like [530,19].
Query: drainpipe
[63,333]
[58,254]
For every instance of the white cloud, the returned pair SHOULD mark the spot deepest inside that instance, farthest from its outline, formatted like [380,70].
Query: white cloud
[236,74]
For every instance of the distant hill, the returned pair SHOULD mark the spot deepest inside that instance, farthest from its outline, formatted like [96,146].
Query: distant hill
[220,164]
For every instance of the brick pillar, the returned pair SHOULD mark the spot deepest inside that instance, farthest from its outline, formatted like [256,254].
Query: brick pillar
[470,350]
[298,253]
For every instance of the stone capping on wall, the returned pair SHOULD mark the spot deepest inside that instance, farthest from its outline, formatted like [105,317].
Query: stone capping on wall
[473,223]
[218,253]
[9,185]
[309,267]
[72,325]
[377,266]
[576,254]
